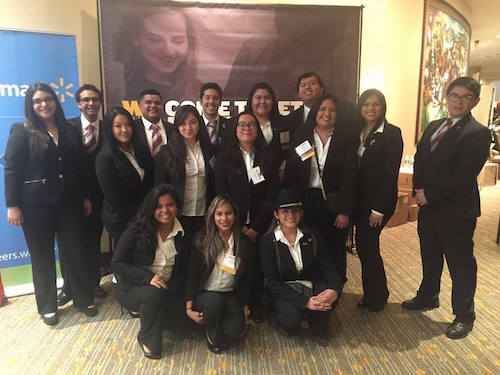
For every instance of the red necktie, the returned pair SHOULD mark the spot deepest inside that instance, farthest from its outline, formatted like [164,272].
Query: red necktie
[90,138]
[437,136]
[212,132]
[156,139]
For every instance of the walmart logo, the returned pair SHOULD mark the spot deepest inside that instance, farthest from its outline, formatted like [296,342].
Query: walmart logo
[62,89]
[13,90]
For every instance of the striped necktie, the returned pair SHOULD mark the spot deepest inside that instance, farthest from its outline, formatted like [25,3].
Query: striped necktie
[90,138]
[437,136]
[212,132]
[156,139]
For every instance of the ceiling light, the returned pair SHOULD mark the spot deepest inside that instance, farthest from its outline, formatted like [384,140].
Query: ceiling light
[497,36]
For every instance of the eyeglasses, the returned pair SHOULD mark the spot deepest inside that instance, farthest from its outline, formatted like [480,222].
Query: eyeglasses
[47,100]
[247,125]
[91,99]
[460,98]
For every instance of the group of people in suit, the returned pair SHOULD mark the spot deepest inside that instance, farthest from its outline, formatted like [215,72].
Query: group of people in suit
[207,213]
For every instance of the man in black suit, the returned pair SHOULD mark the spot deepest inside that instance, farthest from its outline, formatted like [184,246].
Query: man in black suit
[88,100]
[217,126]
[449,157]
[153,127]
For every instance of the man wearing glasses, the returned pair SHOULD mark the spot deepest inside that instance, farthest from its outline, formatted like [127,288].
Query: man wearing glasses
[449,157]
[88,100]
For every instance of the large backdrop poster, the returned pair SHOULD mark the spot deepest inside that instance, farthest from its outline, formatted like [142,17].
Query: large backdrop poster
[28,57]
[175,47]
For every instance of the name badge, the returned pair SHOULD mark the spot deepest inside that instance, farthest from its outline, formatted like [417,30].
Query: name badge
[256,175]
[304,150]
[285,137]
[229,264]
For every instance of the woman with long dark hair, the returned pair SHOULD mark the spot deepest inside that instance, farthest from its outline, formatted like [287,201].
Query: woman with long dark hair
[187,162]
[150,266]
[322,167]
[300,274]
[246,173]
[379,153]
[220,275]
[124,170]
[46,192]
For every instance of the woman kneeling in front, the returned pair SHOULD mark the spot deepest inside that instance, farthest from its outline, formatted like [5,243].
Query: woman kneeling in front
[299,272]
[150,263]
[220,274]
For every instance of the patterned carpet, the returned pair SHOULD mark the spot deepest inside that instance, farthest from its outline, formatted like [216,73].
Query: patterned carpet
[389,342]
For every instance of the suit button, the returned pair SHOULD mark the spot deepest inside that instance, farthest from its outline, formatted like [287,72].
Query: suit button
[61,176]
[59,158]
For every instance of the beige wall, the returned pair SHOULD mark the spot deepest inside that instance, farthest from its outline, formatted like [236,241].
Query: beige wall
[390,53]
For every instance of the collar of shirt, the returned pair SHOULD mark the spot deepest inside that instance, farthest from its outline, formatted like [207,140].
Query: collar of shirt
[306,112]
[176,229]
[278,234]
[319,143]
[86,123]
[230,244]
[148,124]
[453,121]
[207,120]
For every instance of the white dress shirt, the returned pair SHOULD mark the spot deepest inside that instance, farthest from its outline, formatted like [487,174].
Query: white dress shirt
[195,190]
[131,158]
[294,249]
[322,153]
[148,129]
[306,113]
[362,148]
[217,121]
[165,253]
[248,158]
[221,281]
[267,130]
[85,124]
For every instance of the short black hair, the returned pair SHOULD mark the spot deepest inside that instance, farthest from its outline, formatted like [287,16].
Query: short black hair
[210,85]
[468,82]
[307,75]
[149,92]
[86,86]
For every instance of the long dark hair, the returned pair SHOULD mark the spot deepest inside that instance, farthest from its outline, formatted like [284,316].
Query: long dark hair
[362,99]
[39,138]
[111,141]
[311,118]
[274,115]
[232,151]
[176,151]
[212,243]
[145,222]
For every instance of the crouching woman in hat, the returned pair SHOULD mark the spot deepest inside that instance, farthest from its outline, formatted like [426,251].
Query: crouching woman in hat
[299,272]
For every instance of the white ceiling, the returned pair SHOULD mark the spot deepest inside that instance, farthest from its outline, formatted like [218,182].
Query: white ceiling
[485,25]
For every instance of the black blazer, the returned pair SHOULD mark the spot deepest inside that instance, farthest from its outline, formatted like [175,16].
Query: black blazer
[250,198]
[318,267]
[339,174]
[448,175]
[122,187]
[199,271]
[45,179]
[141,132]
[377,186]
[95,189]
[131,258]
[163,176]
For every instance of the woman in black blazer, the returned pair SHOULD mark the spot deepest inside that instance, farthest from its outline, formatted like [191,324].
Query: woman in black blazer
[328,192]
[220,275]
[300,274]
[150,265]
[46,191]
[124,171]
[262,102]
[379,152]
[187,162]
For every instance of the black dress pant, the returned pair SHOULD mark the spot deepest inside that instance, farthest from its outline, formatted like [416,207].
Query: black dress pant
[317,216]
[451,237]
[92,225]
[157,309]
[372,267]
[42,224]
[223,314]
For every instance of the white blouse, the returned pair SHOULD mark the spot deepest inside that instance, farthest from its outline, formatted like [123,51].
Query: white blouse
[195,190]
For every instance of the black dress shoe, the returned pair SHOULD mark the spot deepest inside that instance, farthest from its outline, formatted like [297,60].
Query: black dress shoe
[257,315]
[90,310]
[363,304]
[419,304]
[459,329]
[51,319]
[100,293]
[376,306]
[63,298]
[216,349]
[134,314]
[321,340]
[147,354]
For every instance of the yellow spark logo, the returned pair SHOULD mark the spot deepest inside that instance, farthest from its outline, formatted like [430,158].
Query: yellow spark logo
[62,90]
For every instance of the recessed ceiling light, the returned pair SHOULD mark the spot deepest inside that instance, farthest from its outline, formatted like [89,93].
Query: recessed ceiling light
[497,36]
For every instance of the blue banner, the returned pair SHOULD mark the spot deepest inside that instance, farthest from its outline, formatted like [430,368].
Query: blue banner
[28,57]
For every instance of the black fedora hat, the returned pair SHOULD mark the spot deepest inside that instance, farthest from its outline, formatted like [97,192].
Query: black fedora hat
[287,198]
